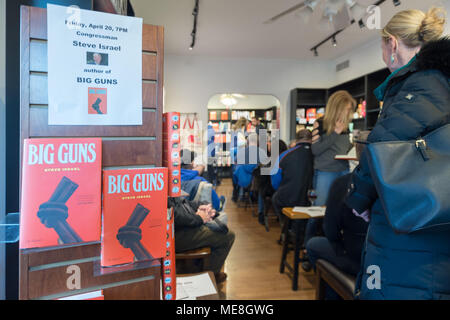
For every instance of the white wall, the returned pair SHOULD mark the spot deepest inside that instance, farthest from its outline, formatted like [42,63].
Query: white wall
[365,60]
[2,139]
[190,81]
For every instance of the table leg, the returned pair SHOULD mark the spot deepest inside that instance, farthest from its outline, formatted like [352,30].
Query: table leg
[297,248]
[285,232]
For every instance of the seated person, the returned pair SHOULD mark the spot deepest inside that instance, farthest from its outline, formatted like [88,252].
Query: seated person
[345,232]
[265,188]
[191,232]
[247,160]
[211,172]
[191,179]
[187,161]
[292,143]
[294,174]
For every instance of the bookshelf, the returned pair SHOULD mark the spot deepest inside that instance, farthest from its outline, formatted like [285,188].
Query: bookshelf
[360,88]
[223,120]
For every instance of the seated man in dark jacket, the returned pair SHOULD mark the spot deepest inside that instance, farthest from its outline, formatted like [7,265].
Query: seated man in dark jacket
[294,175]
[191,232]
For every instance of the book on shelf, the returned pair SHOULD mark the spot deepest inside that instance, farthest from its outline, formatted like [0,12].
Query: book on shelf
[320,112]
[169,268]
[224,115]
[134,215]
[311,115]
[301,116]
[61,192]
[171,151]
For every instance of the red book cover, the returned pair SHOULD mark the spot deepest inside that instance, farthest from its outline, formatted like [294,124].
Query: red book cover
[169,270]
[311,114]
[171,151]
[134,215]
[61,192]
[97,101]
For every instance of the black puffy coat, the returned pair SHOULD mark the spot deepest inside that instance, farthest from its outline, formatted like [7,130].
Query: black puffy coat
[414,265]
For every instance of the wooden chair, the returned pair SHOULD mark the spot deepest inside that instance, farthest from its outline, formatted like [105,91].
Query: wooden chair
[198,259]
[341,282]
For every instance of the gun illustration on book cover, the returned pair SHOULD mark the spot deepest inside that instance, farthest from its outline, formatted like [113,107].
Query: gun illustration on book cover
[96,106]
[54,212]
[130,235]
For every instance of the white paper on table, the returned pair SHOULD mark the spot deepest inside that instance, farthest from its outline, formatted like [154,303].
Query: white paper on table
[313,212]
[189,298]
[181,293]
[197,286]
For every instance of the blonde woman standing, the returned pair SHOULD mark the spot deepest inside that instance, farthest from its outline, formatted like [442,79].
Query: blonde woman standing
[416,98]
[330,138]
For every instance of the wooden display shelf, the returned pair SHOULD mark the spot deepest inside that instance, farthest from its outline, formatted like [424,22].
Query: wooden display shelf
[50,273]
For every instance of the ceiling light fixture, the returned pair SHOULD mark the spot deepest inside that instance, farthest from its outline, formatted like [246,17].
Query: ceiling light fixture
[194,30]
[228,100]
[361,23]
[397,3]
[330,19]
[334,42]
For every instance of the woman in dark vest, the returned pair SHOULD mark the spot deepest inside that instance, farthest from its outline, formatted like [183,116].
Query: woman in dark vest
[416,100]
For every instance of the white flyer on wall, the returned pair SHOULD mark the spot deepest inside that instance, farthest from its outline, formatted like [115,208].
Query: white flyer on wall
[94,67]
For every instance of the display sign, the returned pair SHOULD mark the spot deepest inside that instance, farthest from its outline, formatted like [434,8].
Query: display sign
[94,67]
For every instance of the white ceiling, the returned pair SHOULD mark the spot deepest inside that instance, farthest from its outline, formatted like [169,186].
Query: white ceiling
[235,28]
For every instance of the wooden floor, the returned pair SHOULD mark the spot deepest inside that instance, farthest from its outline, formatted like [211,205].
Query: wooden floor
[254,261]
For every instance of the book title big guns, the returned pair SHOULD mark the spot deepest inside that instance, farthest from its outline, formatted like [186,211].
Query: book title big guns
[142,182]
[67,153]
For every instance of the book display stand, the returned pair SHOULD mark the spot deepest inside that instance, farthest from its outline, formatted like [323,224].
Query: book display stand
[55,272]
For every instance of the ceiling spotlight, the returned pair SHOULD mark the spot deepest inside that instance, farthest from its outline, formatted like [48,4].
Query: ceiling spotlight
[311,4]
[316,54]
[397,3]
[334,42]
[361,23]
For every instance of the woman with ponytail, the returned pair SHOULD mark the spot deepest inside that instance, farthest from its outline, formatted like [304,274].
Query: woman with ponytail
[416,101]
